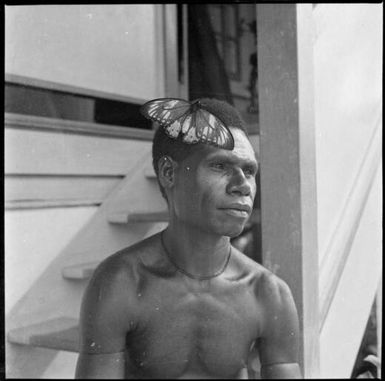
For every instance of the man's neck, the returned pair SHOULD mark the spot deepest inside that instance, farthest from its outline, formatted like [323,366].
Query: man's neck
[197,252]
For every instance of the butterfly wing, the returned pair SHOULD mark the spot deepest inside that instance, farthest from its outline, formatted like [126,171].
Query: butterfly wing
[211,130]
[180,117]
[165,111]
[188,129]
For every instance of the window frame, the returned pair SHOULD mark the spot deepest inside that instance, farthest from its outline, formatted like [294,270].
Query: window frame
[14,120]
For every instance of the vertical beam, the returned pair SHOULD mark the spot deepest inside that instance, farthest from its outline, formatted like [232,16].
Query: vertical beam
[170,49]
[184,85]
[287,161]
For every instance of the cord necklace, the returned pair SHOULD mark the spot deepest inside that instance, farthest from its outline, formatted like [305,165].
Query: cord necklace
[197,277]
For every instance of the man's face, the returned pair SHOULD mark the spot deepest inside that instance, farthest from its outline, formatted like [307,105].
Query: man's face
[215,188]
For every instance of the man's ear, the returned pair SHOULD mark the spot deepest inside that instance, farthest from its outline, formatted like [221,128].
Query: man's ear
[167,169]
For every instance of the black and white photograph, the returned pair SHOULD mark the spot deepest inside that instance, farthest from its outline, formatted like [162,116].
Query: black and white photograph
[193,190]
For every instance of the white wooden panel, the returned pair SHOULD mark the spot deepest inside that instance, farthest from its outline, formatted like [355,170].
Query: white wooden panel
[339,247]
[40,152]
[348,97]
[111,48]
[56,188]
[32,239]
[32,122]
[62,367]
[344,326]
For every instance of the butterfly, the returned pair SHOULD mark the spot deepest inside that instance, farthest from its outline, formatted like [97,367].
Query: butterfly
[189,120]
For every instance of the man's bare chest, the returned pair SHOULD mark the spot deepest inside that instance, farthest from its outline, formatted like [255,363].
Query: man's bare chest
[196,327]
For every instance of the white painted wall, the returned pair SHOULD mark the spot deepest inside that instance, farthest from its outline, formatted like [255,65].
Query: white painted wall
[112,48]
[52,153]
[348,87]
[344,326]
[348,109]
[33,238]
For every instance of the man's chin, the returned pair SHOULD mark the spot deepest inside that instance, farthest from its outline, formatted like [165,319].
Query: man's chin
[234,231]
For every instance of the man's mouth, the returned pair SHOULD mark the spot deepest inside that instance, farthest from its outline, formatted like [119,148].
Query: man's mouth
[237,210]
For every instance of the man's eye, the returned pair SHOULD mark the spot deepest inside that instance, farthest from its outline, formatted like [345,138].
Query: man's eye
[218,166]
[249,172]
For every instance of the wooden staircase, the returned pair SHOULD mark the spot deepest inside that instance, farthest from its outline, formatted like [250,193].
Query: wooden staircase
[135,206]
[60,334]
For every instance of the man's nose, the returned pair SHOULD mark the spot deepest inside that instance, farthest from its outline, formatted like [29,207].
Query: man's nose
[239,184]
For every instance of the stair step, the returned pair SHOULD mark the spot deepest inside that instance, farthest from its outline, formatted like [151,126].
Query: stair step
[138,198]
[149,172]
[126,217]
[61,334]
[79,271]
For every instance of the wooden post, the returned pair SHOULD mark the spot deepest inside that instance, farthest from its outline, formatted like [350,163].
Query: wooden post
[170,31]
[287,162]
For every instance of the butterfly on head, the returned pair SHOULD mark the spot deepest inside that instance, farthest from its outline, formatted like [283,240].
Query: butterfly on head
[189,120]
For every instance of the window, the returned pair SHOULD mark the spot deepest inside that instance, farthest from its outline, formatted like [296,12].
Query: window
[38,101]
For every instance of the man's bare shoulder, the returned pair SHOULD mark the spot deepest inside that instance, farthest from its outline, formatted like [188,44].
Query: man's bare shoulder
[125,263]
[246,267]
[118,275]
[268,286]
[114,285]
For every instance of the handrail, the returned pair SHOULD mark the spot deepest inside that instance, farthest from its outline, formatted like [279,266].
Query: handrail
[337,251]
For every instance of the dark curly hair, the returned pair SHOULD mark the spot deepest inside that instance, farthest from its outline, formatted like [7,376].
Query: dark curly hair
[163,145]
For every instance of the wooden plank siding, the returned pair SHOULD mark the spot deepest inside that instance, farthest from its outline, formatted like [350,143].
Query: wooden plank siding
[63,126]
[51,153]
[287,162]
[43,190]
[50,164]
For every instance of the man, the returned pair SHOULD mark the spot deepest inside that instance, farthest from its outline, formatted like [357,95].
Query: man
[184,303]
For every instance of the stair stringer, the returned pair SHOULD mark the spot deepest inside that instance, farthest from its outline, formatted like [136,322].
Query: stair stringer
[52,296]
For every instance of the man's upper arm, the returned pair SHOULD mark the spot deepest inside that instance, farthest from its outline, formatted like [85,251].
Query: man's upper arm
[280,335]
[104,323]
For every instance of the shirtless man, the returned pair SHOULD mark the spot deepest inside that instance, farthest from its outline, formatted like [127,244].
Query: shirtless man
[184,303]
